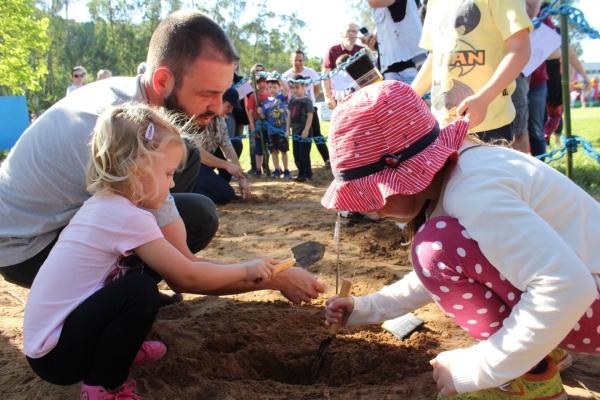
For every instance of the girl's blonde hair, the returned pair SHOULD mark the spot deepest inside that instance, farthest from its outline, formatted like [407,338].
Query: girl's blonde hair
[124,143]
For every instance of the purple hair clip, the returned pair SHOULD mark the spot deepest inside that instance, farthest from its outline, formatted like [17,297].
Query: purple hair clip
[149,135]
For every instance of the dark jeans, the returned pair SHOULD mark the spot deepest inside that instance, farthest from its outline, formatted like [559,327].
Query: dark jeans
[316,133]
[238,146]
[101,337]
[216,187]
[301,151]
[198,213]
[537,109]
[504,132]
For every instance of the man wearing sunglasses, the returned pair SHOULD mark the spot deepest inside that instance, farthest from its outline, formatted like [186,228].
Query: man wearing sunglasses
[77,78]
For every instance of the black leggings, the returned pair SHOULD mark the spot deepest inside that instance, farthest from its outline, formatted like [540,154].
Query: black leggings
[101,337]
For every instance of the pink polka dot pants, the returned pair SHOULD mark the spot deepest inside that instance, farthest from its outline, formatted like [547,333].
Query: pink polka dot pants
[472,292]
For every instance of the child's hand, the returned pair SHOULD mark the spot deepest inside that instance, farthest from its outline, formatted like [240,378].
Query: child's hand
[475,109]
[258,270]
[338,309]
[442,376]
[305,133]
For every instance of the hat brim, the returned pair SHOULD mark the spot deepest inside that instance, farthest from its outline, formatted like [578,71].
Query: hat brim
[411,176]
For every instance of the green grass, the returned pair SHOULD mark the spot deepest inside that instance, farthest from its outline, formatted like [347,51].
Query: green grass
[585,122]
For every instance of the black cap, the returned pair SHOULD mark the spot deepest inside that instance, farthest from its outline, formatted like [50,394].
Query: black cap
[232,97]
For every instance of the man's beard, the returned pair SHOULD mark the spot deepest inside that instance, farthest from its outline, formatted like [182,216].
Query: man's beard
[172,104]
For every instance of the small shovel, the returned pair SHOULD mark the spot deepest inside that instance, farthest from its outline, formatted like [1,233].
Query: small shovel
[333,330]
[305,255]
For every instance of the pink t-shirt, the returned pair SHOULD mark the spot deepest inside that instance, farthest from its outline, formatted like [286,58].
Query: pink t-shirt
[105,229]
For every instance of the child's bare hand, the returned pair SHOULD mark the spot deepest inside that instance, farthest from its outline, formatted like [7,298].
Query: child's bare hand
[338,309]
[475,109]
[304,134]
[442,376]
[259,270]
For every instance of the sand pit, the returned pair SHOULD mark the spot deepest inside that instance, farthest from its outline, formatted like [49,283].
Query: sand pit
[258,345]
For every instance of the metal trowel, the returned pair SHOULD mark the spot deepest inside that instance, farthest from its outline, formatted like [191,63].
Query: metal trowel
[305,255]
[333,330]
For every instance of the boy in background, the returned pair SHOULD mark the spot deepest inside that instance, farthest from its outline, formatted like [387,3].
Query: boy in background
[477,49]
[299,119]
[274,112]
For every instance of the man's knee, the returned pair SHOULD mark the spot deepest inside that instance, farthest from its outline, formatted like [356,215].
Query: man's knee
[200,217]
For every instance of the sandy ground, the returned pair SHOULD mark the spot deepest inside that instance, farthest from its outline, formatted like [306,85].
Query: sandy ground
[258,345]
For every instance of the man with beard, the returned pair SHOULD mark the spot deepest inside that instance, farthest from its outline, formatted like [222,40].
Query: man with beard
[190,64]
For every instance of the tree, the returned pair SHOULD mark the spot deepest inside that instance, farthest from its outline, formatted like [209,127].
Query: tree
[23,43]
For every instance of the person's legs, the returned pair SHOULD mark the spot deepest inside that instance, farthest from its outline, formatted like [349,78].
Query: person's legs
[316,133]
[472,292]
[238,146]
[296,153]
[537,108]
[24,273]
[406,76]
[519,126]
[504,134]
[200,218]
[101,337]
[213,186]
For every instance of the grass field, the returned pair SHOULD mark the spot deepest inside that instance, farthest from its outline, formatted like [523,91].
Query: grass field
[586,171]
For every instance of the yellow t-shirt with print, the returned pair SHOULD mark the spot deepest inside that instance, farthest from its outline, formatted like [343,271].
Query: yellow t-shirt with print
[466,39]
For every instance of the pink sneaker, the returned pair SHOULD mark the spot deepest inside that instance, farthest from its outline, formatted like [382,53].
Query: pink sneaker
[150,351]
[125,392]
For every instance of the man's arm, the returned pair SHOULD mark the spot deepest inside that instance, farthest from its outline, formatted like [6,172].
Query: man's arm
[327,91]
[216,162]
[517,55]
[422,82]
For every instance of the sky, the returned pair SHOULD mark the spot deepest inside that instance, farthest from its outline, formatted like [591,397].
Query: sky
[326,18]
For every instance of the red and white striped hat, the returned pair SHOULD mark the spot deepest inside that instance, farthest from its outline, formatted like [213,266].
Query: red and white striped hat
[384,141]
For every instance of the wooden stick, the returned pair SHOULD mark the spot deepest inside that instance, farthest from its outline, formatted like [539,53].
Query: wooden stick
[344,292]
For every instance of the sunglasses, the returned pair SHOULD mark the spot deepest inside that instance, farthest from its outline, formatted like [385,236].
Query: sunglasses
[78,76]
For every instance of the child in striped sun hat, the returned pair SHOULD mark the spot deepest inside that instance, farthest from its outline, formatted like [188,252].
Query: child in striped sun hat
[504,244]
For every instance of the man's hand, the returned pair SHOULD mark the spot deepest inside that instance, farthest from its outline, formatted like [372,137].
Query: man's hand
[442,376]
[474,108]
[245,190]
[297,285]
[234,169]
[331,103]
[370,41]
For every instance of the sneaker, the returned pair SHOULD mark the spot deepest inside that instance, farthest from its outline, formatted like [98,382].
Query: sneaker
[256,173]
[546,386]
[287,174]
[150,351]
[562,358]
[125,392]
[276,174]
[168,297]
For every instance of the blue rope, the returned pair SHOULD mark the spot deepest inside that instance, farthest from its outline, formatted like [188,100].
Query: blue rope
[575,16]
[571,145]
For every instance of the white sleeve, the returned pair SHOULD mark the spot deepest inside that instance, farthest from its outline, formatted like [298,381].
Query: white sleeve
[557,287]
[167,213]
[390,302]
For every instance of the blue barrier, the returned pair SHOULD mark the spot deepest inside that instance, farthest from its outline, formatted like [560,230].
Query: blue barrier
[14,119]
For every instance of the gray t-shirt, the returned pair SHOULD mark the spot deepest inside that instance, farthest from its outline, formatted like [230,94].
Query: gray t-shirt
[42,181]
[299,109]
